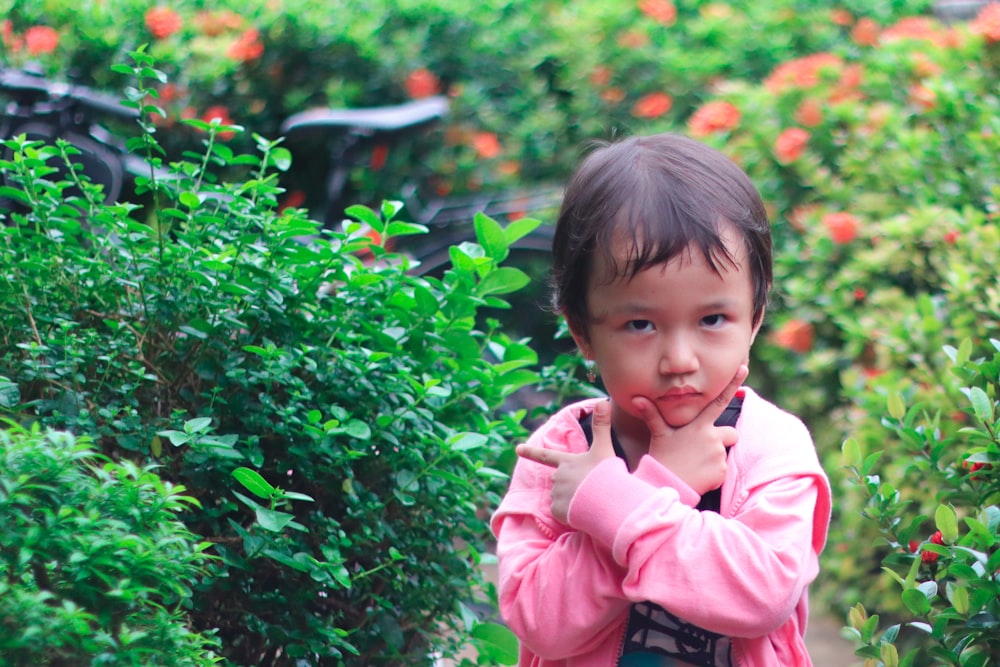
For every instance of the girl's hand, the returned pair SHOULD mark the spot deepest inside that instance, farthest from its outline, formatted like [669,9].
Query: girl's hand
[695,452]
[572,468]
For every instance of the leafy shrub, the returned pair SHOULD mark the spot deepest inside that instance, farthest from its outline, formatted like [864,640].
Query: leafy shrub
[341,422]
[95,565]
[936,507]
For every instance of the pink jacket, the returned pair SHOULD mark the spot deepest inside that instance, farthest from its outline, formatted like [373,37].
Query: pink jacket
[566,590]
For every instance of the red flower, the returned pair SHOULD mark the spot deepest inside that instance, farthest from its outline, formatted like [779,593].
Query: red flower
[987,23]
[633,39]
[843,227]
[795,335]
[661,11]
[652,105]
[865,32]
[162,21]
[422,83]
[951,236]
[809,113]
[214,24]
[937,537]
[41,39]
[486,145]
[247,47]
[790,144]
[804,72]
[715,116]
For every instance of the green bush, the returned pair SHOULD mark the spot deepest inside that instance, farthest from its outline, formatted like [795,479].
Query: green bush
[935,503]
[341,422]
[96,567]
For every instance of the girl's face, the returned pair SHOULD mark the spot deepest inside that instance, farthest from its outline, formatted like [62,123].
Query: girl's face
[676,333]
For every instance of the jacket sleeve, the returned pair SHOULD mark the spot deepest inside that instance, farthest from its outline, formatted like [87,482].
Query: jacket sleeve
[559,591]
[741,576]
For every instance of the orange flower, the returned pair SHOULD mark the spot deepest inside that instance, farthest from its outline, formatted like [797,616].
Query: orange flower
[923,97]
[422,83]
[923,66]
[809,113]
[486,145]
[987,23]
[865,32]
[214,24]
[842,226]
[633,39]
[162,21]
[247,47]
[715,116]
[613,95]
[661,11]
[804,72]
[601,76]
[652,105]
[795,335]
[790,144]
[841,17]
[920,28]
[41,39]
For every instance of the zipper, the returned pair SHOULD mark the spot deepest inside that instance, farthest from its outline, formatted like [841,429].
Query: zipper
[621,641]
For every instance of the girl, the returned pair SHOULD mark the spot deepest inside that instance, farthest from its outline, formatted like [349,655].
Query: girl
[641,529]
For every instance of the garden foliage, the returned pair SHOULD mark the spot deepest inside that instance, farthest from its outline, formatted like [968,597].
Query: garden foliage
[337,422]
[97,567]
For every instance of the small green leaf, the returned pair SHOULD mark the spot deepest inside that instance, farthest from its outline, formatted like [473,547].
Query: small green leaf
[851,452]
[897,408]
[254,483]
[490,236]
[367,216]
[273,520]
[498,641]
[503,280]
[947,522]
[981,405]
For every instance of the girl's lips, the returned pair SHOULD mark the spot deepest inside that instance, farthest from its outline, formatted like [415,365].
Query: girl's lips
[682,392]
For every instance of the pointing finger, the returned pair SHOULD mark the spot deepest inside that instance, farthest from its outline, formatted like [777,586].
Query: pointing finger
[546,457]
[717,406]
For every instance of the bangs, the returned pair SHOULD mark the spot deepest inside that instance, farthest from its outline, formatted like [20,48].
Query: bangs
[654,226]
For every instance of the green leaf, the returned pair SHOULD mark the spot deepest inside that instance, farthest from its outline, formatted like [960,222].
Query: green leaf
[916,601]
[896,406]
[947,522]
[981,405]
[490,236]
[254,483]
[503,280]
[520,228]
[272,520]
[498,641]
[463,442]
[367,216]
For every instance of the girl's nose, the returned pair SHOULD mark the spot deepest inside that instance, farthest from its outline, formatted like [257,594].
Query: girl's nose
[677,357]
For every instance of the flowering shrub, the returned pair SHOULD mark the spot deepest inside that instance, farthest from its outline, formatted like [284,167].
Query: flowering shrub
[540,79]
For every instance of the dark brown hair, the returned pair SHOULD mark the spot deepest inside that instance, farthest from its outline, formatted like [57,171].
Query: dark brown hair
[663,192]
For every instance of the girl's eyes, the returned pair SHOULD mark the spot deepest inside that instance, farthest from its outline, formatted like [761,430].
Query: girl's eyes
[713,321]
[639,326]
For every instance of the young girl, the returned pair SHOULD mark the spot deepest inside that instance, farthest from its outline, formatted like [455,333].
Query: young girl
[640,529]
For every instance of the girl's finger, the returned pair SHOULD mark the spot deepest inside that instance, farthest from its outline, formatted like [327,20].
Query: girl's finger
[602,444]
[657,425]
[546,457]
[718,405]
